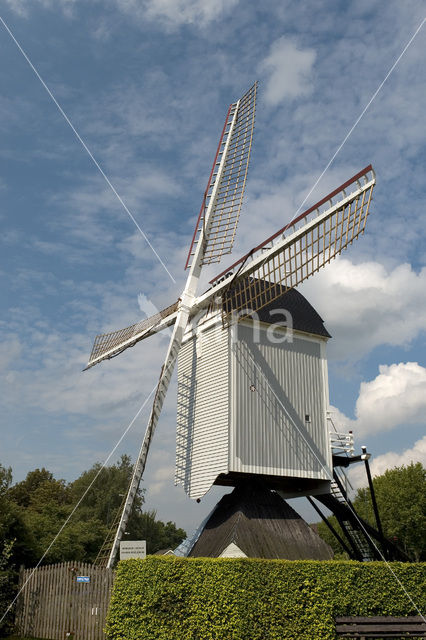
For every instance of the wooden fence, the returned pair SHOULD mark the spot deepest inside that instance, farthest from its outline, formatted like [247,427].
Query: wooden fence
[64,601]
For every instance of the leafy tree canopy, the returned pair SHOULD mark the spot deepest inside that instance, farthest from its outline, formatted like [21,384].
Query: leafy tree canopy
[22,492]
[157,534]
[401,501]
[13,533]
[33,511]
[108,487]
[5,479]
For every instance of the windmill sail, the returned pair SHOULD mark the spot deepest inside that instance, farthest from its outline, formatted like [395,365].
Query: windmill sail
[183,309]
[157,405]
[227,189]
[108,345]
[297,250]
[217,220]
[280,263]
[286,259]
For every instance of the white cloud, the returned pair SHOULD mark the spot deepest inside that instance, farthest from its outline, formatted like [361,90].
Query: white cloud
[174,13]
[10,350]
[162,477]
[340,421]
[171,12]
[21,6]
[288,68]
[396,397]
[91,206]
[389,460]
[366,305]
[103,31]
[177,12]
[61,386]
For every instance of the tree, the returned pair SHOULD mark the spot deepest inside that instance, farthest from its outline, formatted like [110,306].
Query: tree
[33,512]
[7,513]
[105,498]
[401,501]
[7,585]
[13,532]
[157,534]
[11,528]
[45,504]
[107,491]
[22,492]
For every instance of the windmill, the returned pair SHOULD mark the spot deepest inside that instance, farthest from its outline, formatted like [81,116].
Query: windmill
[269,271]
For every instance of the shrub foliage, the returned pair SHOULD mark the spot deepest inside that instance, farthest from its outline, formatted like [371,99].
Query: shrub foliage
[249,599]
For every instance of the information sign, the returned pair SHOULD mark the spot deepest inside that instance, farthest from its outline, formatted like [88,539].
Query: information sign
[132,549]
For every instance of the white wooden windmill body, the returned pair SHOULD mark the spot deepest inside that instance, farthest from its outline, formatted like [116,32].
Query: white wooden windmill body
[256,420]
[253,401]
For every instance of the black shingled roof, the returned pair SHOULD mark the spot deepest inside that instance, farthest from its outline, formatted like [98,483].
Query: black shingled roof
[262,525]
[305,318]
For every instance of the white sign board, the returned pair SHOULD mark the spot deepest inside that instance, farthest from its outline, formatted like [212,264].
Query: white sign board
[132,549]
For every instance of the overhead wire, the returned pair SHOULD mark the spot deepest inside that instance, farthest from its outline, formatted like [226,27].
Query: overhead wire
[347,502]
[349,133]
[88,151]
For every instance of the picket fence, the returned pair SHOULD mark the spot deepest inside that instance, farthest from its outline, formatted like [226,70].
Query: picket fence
[66,601]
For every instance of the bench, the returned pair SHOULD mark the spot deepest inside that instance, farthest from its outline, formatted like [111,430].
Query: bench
[380,627]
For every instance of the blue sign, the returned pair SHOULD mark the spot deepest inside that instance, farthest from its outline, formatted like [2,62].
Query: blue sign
[83,578]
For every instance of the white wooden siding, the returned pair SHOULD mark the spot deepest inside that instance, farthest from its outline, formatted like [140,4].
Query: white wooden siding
[203,411]
[273,387]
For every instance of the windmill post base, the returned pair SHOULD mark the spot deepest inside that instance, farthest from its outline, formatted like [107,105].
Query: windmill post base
[254,521]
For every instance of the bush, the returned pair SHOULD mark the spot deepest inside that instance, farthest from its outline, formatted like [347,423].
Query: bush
[250,599]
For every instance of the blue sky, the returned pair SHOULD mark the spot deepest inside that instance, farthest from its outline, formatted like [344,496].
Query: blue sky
[147,84]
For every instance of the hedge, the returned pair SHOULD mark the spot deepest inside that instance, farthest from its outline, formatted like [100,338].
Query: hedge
[250,599]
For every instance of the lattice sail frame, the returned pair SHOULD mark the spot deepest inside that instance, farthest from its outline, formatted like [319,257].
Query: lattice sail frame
[221,206]
[225,213]
[298,250]
[284,260]
[108,345]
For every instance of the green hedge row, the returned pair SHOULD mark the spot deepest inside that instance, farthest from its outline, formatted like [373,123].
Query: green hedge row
[248,599]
